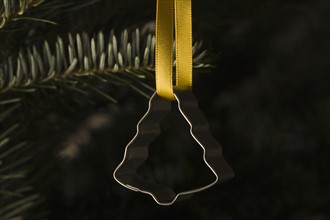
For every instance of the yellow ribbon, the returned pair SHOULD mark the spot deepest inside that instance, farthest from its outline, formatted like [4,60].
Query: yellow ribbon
[168,13]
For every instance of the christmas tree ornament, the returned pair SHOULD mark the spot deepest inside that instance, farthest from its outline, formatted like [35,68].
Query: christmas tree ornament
[171,15]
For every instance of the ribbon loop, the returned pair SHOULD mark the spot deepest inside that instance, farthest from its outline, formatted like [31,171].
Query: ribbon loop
[169,11]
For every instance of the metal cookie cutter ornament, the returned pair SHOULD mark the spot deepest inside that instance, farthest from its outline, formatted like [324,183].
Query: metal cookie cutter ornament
[136,152]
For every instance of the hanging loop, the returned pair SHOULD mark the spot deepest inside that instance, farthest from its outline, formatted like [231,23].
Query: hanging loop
[173,15]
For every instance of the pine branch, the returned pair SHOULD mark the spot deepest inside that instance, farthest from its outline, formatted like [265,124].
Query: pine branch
[81,55]
[12,9]
[16,196]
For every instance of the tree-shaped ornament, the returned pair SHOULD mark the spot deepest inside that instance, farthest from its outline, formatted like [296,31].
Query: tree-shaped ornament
[136,152]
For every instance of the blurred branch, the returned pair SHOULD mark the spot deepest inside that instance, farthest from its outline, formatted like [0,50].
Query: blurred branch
[13,9]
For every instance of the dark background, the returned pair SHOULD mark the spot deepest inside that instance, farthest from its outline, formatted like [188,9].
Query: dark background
[267,102]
